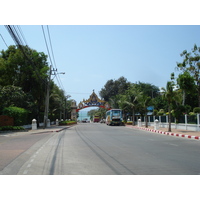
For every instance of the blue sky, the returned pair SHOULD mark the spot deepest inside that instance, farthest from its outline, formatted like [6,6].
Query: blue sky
[93,54]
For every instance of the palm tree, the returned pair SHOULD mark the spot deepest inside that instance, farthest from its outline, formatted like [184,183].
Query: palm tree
[132,95]
[169,94]
[144,102]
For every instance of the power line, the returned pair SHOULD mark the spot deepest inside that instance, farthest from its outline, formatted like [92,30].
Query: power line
[51,46]
[56,74]
[4,40]
[19,43]
[46,45]
[21,32]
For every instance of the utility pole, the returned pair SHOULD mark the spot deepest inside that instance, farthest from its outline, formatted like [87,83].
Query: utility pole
[47,100]
[46,112]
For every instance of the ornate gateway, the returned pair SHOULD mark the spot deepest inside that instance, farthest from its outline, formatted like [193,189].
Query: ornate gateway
[93,101]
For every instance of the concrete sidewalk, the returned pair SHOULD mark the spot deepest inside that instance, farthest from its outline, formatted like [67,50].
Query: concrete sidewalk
[53,128]
[174,132]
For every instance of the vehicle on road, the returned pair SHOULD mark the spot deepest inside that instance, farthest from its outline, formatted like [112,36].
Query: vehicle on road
[96,118]
[103,121]
[114,117]
[85,120]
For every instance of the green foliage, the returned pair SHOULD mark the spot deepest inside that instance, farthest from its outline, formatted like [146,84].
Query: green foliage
[161,112]
[155,112]
[196,110]
[14,96]
[191,64]
[114,87]
[101,112]
[58,103]
[129,122]
[147,89]
[67,123]
[19,115]
[24,77]
[11,128]
[23,84]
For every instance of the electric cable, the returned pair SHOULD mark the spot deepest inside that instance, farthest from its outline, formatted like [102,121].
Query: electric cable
[51,46]
[47,45]
[18,41]
[4,40]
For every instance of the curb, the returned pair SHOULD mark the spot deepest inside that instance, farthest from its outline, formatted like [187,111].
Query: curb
[52,131]
[62,129]
[167,133]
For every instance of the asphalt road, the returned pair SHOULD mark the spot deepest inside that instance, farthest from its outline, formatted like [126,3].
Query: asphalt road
[98,149]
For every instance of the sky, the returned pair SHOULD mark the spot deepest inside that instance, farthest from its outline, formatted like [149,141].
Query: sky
[90,55]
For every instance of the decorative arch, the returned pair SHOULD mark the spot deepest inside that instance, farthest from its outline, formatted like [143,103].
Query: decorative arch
[93,101]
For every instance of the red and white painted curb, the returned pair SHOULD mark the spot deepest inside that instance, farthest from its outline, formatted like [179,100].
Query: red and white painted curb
[167,133]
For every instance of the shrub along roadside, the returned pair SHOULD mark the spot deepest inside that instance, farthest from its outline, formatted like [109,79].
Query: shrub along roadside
[11,128]
[19,114]
[67,123]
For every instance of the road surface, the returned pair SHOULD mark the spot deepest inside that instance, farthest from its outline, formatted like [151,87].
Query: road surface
[98,149]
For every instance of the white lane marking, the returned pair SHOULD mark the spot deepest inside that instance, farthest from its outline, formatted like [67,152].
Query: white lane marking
[29,165]
[172,144]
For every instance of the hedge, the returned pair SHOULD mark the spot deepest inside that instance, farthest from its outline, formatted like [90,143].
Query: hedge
[19,115]
[67,122]
[11,128]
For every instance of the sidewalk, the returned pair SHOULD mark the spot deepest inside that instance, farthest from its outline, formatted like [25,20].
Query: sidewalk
[174,132]
[53,128]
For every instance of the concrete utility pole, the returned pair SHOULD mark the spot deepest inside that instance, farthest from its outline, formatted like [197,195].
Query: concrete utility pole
[46,111]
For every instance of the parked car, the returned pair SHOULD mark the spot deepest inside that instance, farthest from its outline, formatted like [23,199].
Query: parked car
[103,121]
[85,120]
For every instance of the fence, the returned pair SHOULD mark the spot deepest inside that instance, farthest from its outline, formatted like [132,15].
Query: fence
[185,122]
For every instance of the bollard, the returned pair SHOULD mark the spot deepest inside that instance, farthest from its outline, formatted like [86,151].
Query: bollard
[139,123]
[34,124]
[156,124]
[57,122]
[48,123]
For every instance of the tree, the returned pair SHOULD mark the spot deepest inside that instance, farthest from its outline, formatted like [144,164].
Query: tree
[191,64]
[144,102]
[113,88]
[186,84]
[132,95]
[123,105]
[13,96]
[168,94]
[148,89]
[27,70]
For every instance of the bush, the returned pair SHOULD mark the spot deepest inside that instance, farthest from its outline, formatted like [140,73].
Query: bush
[196,110]
[19,115]
[67,122]
[192,113]
[155,112]
[11,128]
[129,122]
[161,112]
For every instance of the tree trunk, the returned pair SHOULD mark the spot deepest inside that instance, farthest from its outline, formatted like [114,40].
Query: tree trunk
[146,121]
[184,95]
[198,88]
[169,127]
[133,123]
